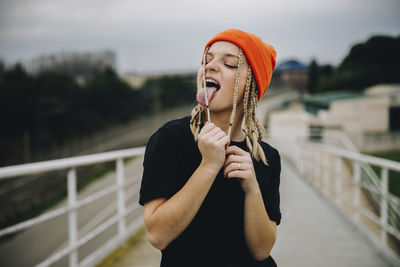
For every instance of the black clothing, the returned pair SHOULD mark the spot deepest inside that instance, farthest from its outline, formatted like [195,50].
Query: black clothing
[215,237]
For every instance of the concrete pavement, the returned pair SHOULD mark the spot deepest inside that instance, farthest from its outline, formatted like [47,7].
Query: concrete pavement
[312,234]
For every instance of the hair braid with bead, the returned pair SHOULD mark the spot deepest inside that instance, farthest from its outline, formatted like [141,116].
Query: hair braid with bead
[252,127]
[235,91]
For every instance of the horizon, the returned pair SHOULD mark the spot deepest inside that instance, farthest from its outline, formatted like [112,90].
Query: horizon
[168,36]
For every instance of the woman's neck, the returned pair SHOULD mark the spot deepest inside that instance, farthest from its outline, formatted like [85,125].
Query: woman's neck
[221,120]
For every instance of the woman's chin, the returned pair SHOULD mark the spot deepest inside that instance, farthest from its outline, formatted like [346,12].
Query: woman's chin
[219,108]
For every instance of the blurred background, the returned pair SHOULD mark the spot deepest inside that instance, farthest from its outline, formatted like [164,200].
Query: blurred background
[82,77]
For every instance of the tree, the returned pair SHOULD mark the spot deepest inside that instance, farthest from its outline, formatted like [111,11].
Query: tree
[313,77]
[375,61]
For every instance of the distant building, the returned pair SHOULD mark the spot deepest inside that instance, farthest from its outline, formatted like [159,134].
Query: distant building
[370,119]
[293,74]
[391,92]
[137,80]
[78,65]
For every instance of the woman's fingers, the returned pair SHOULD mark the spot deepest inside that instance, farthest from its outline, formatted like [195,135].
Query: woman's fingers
[224,141]
[235,150]
[237,167]
[212,142]
[238,174]
[233,158]
[206,128]
[211,133]
[217,136]
[238,163]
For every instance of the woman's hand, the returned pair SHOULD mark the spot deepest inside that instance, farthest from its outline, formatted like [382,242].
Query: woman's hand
[212,142]
[239,164]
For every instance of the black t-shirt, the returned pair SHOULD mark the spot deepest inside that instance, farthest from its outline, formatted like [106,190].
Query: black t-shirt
[215,237]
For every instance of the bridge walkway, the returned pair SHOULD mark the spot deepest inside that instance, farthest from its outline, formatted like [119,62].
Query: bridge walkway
[312,233]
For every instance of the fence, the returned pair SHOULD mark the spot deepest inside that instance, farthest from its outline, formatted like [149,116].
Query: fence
[74,242]
[345,177]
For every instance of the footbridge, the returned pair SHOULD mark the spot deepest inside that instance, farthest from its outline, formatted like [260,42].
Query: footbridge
[336,211]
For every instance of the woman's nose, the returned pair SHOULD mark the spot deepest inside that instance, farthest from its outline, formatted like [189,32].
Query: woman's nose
[211,66]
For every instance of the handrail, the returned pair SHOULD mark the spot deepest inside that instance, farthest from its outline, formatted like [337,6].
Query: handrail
[124,230]
[390,164]
[328,135]
[321,163]
[57,164]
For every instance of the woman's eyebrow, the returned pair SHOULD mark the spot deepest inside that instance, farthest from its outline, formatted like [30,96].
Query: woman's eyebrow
[224,55]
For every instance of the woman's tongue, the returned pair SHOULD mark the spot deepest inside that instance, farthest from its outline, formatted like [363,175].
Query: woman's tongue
[201,96]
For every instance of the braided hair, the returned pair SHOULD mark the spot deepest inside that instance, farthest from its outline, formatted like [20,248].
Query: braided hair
[252,126]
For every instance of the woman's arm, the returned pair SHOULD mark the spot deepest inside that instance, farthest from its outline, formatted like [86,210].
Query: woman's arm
[259,230]
[165,219]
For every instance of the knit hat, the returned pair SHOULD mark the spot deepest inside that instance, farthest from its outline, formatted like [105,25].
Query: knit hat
[261,56]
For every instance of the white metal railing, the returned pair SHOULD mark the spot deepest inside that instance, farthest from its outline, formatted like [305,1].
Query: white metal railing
[340,139]
[323,166]
[74,242]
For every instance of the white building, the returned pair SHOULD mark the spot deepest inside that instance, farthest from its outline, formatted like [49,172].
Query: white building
[371,119]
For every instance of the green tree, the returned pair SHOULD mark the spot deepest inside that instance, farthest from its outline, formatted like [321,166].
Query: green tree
[375,61]
[313,77]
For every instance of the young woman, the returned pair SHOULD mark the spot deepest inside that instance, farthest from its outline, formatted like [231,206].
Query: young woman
[210,186]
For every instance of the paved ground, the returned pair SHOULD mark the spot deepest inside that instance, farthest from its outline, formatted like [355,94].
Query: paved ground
[312,234]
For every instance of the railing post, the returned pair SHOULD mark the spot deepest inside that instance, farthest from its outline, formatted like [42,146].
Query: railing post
[297,155]
[320,169]
[72,219]
[384,203]
[326,166]
[338,180]
[356,189]
[306,162]
[316,168]
[310,163]
[121,199]
[313,167]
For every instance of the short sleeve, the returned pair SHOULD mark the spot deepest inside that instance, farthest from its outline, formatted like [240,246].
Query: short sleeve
[272,195]
[160,166]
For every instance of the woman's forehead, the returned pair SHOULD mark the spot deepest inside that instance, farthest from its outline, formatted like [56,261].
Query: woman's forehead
[223,47]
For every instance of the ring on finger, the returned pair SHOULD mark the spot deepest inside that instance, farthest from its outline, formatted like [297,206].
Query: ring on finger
[238,166]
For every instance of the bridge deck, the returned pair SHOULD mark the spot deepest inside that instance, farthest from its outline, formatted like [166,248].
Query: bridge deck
[312,233]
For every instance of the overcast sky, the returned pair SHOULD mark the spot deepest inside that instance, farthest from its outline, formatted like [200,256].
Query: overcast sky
[169,35]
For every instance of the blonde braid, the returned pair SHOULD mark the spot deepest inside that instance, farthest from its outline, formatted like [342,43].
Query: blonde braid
[245,107]
[235,92]
[253,132]
[252,125]
[197,111]
[204,83]
[196,120]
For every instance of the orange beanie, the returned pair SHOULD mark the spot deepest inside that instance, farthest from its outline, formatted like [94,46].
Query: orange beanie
[261,56]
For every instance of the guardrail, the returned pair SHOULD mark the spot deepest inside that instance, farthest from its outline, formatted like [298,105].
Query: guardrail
[340,139]
[74,242]
[324,167]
